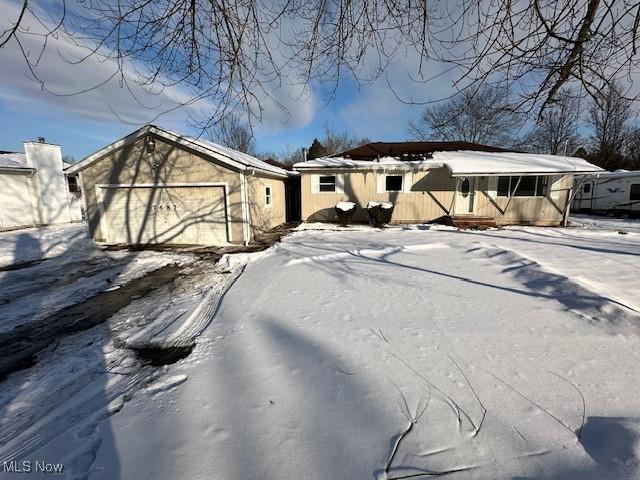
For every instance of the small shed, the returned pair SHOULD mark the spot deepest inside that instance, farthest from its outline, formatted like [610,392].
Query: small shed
[155,186]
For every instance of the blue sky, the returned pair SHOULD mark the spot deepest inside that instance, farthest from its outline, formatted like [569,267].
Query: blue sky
[83,123]
[27,112]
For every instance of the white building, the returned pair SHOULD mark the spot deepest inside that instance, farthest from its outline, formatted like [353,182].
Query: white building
[34,189]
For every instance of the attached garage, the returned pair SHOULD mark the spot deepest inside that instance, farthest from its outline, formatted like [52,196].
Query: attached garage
[191,215]
[158,187]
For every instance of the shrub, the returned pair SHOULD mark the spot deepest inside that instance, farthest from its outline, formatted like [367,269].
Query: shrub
[379,213]
[345,211]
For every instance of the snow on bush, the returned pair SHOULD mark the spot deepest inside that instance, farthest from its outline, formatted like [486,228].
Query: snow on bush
[345,211]
[345,206]
[379,213]
[384,205]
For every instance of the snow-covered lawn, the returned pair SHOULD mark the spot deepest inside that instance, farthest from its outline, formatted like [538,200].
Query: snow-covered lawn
[363,353]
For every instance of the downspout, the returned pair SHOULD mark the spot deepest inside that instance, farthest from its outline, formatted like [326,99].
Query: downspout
[246,227]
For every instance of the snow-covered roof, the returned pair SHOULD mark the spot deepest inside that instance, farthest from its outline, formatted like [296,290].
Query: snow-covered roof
[466,162]
[391,162]
[13,160]
[229,156]
[484,163]
[247,160]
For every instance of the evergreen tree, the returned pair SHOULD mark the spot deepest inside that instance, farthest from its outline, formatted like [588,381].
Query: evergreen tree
[317,150]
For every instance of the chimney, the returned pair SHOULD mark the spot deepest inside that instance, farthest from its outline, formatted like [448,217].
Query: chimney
[51,184]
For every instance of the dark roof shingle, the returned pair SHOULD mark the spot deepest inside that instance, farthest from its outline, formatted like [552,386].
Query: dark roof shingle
[371,151]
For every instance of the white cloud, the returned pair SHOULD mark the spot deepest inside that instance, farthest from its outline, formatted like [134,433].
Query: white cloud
[113,99]
[388,103]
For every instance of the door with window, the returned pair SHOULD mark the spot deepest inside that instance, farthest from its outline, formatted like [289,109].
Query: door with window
[465,193]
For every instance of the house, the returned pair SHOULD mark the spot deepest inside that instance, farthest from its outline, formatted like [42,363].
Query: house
[615,192]
[156,186]
[33,187]
[430,180]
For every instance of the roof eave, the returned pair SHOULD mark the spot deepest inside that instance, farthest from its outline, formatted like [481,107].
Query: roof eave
[152,129]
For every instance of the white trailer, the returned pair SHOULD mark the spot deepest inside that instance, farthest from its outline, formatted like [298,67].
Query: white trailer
[612,192]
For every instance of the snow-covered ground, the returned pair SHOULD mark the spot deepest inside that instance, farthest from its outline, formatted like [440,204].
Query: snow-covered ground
[362,353]
[33,244]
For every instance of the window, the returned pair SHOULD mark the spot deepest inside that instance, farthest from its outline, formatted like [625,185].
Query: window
[634,193]
[393,183]
[586,188]
[267,196]
[503,186]
[73,184]
[529,186]
[327,183]
[465,188]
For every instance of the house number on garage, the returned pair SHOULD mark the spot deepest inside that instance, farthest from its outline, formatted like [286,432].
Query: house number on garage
[166,208]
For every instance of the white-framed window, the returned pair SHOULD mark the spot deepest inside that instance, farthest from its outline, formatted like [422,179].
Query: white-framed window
[268,198]
[394,182]
[526,186]
[327,183]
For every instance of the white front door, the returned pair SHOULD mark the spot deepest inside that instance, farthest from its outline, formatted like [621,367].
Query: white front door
[465,192]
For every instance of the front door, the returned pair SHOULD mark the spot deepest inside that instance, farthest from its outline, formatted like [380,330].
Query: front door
[465,192]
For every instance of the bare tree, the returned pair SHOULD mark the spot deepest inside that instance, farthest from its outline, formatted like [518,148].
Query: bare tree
[486,117]
[232,53]
[233,133]
[557,132]
[291,155]
[338,141]
[609,117]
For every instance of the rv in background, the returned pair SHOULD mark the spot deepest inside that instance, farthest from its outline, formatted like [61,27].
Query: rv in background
[612,192]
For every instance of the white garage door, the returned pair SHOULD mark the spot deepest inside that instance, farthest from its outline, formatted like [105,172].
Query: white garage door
[174,215]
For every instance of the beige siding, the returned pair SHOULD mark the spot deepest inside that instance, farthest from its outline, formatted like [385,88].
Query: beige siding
[431,196]
[167,164]
[261,216]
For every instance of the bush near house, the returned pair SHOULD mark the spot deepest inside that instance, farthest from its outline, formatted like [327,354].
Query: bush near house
[345,211]
[379,213]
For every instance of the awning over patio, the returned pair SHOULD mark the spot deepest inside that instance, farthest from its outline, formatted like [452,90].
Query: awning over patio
[471,163]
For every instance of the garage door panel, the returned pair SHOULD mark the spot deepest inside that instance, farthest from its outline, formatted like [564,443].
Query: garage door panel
[177,215]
